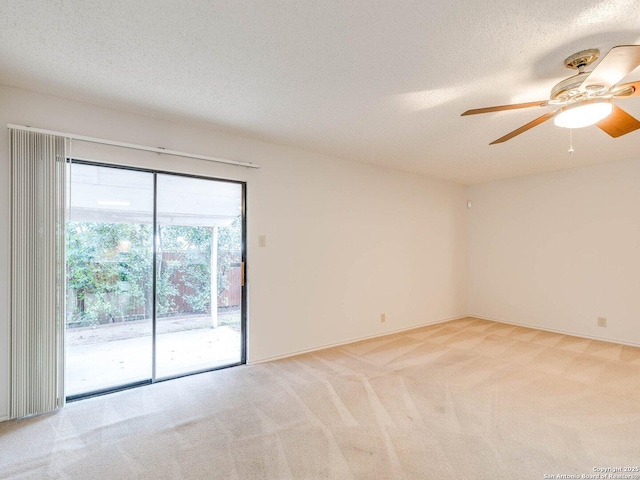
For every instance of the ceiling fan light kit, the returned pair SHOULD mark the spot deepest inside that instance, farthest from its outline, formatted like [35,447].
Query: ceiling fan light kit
[583,114]
[586,98]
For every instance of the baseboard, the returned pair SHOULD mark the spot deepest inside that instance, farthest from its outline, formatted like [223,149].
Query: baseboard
[4,418]
[354,340]
[554,330]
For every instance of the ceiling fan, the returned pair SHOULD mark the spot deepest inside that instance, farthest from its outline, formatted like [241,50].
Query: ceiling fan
[586,97]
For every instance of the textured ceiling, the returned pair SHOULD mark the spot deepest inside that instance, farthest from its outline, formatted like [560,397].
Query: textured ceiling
[381,82]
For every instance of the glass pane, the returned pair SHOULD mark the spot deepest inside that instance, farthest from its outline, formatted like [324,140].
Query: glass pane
[109,279]
[199,248]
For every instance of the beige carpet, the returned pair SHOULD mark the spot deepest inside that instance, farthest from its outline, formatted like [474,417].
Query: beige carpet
[468,399]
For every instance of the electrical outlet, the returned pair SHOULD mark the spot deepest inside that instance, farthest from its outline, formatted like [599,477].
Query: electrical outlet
[602,322]
[383,317]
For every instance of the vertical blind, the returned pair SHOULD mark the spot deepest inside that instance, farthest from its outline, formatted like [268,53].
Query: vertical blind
[37,272]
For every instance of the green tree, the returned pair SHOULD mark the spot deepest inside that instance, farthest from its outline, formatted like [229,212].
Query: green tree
[185,265]
[229,252]
[105,261]
[109,269]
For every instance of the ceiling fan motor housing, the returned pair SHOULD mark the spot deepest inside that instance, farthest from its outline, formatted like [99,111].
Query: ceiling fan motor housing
[568,88]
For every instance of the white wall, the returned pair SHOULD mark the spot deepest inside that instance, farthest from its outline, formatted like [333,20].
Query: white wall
[345,241]
[559,250]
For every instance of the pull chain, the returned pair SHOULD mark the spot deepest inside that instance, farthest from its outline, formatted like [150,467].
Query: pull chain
[570,141]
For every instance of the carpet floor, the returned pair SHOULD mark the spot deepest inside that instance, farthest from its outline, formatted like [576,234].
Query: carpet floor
[466,399]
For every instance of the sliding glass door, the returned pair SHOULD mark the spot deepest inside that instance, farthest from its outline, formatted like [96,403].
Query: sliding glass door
[108,340]
[140,310]
[199,245]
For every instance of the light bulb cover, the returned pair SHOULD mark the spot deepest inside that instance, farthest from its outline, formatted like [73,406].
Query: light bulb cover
[583,114]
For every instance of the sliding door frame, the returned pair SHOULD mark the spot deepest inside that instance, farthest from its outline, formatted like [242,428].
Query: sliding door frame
[243,290]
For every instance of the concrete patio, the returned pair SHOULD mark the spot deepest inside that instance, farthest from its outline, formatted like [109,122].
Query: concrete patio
[107,356]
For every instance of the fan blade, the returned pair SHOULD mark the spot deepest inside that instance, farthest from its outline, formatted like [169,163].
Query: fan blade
[618,123]
[633,88]
[526,127]
[616,64]
[500,108]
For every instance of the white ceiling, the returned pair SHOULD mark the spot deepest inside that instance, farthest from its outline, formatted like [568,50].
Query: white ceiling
[381,82]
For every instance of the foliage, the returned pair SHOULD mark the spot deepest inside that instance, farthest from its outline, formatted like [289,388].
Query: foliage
[104,260]
[229,254]
[184,260]
[109,269]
